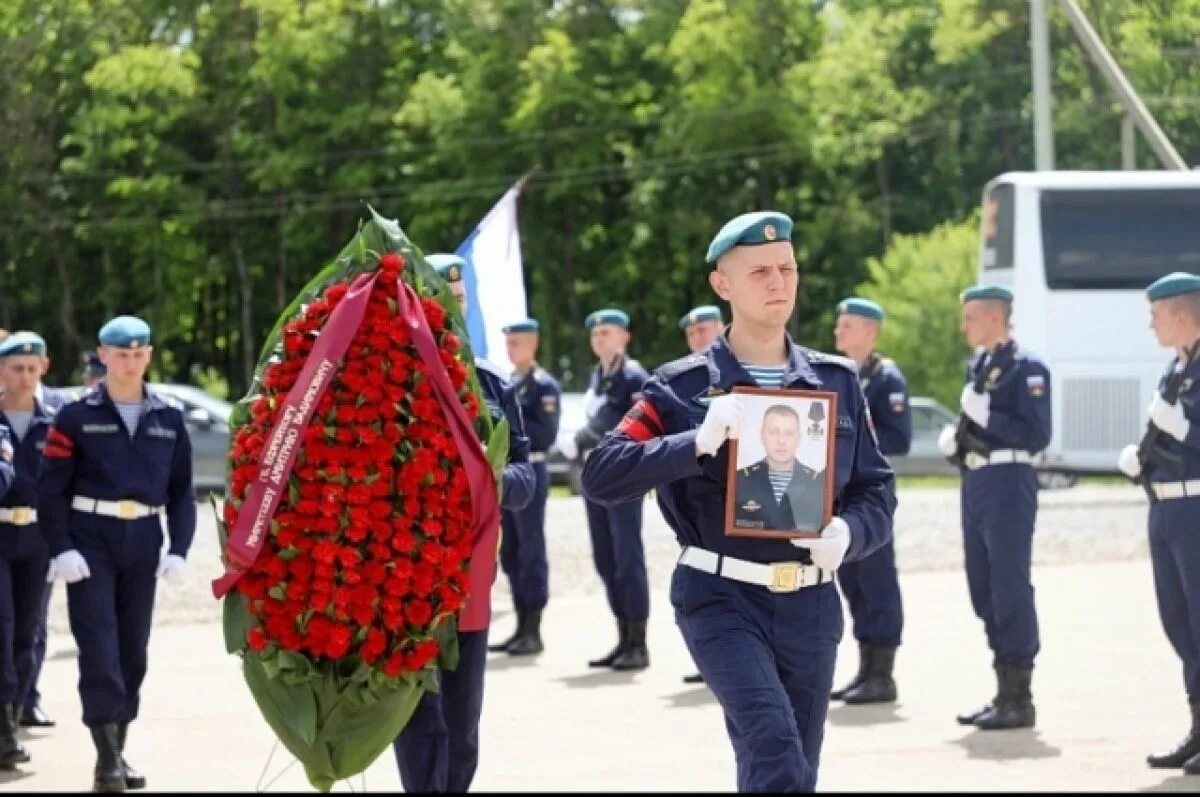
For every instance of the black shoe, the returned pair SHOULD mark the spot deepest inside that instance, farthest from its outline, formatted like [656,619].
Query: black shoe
[635,656]
[529,636]
[12,752]
[1013,707]
[109,775]
[694,678]
[864,661]
[878,686]
[133,778]
[1185,752]
[1192,765]
[35,718]
[501,647]
[969,717]
[622,640]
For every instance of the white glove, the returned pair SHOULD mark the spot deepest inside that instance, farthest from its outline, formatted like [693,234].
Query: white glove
[567,446]
[828,550]
[6,450]
[721,422]
[946,442]
[1128,462]
[592,403]
[70,566]
[172,568]
[976,406]
[50,572]
[1169,417]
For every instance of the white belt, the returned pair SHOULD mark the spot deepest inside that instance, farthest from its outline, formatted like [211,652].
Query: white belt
[1166,490]
[125,509]
[777,576]
[18,515]
[537,456]
[1000,456]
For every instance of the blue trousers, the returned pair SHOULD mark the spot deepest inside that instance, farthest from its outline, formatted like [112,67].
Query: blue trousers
[33,697]
[1175,559]
[616,533]
[523,546]
[872,590]
[999,509]
[438,751]
[24,558]
[769,659]
[111,611]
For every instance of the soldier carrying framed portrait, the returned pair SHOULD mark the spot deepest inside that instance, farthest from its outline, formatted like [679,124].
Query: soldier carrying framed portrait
[780,481]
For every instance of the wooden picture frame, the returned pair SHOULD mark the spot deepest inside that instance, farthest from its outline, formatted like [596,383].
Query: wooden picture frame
[769,435]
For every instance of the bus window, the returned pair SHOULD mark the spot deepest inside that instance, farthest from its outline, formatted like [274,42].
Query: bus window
[1118,239]
[998,227]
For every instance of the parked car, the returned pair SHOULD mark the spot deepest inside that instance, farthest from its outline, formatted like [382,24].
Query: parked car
[923,458]
[207,419]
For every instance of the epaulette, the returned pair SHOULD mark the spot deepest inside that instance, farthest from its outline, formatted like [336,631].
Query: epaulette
[677,368]
[821,358]
[167,399]
[886,361]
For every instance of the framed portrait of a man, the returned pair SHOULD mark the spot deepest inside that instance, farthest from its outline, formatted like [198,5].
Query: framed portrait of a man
[781,467]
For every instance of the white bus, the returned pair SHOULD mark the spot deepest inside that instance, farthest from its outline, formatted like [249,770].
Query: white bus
[1078,250]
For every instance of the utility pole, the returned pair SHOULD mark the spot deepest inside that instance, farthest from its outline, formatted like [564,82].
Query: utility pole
[1043,114]
[1117,81]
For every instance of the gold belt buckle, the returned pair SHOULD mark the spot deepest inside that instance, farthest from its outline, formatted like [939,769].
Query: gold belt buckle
[127,509]
[785,577]
[20,516]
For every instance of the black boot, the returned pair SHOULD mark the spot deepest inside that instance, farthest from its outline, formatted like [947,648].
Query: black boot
[1185,751]
[109,776]
[878,686]
[501,647]
[622,641]
[1014,704]
[969,717]
[529,635]
[635,656]
[694,678]
[864,661]
[34,718]
[133,778]
[11,751]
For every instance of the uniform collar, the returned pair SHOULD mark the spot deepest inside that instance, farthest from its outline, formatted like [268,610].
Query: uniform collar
[99,395]
[724,370]
[617,366]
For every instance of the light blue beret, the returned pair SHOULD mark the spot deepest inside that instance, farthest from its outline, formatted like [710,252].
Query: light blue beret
[125,332]
[998,292]
[1174,284]
[524,325]
[608,316]
[708,312]
[750,229]
[863,307]
[22,343]
[450,267]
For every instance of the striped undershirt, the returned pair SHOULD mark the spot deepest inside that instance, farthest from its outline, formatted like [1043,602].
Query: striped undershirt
[780,479]
[131,413]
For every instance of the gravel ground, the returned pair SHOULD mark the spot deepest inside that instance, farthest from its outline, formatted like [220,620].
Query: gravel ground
[1082,524]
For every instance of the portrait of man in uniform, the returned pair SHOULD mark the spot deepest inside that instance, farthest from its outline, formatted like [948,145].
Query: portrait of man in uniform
[778,485]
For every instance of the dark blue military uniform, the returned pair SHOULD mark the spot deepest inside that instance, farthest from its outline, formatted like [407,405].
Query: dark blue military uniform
[767,655]
[523,545]
[12,752]
[800,506]
[92,469]
[438,750]
[999,501]
[32,715]
[24,559]
[616,528]
[1175,533]
[870,585]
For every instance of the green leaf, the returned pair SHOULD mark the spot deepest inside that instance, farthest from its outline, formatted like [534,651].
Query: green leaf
[278,592]
[290,710]
[236,621]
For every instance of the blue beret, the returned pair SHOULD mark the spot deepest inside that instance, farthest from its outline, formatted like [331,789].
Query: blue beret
[91,362]
[863,307]
[524,325]
[998,292]
[707,312]
[125,332]
[750,229]
[607,316]
[449,266]
[22,343]
[1179,282]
